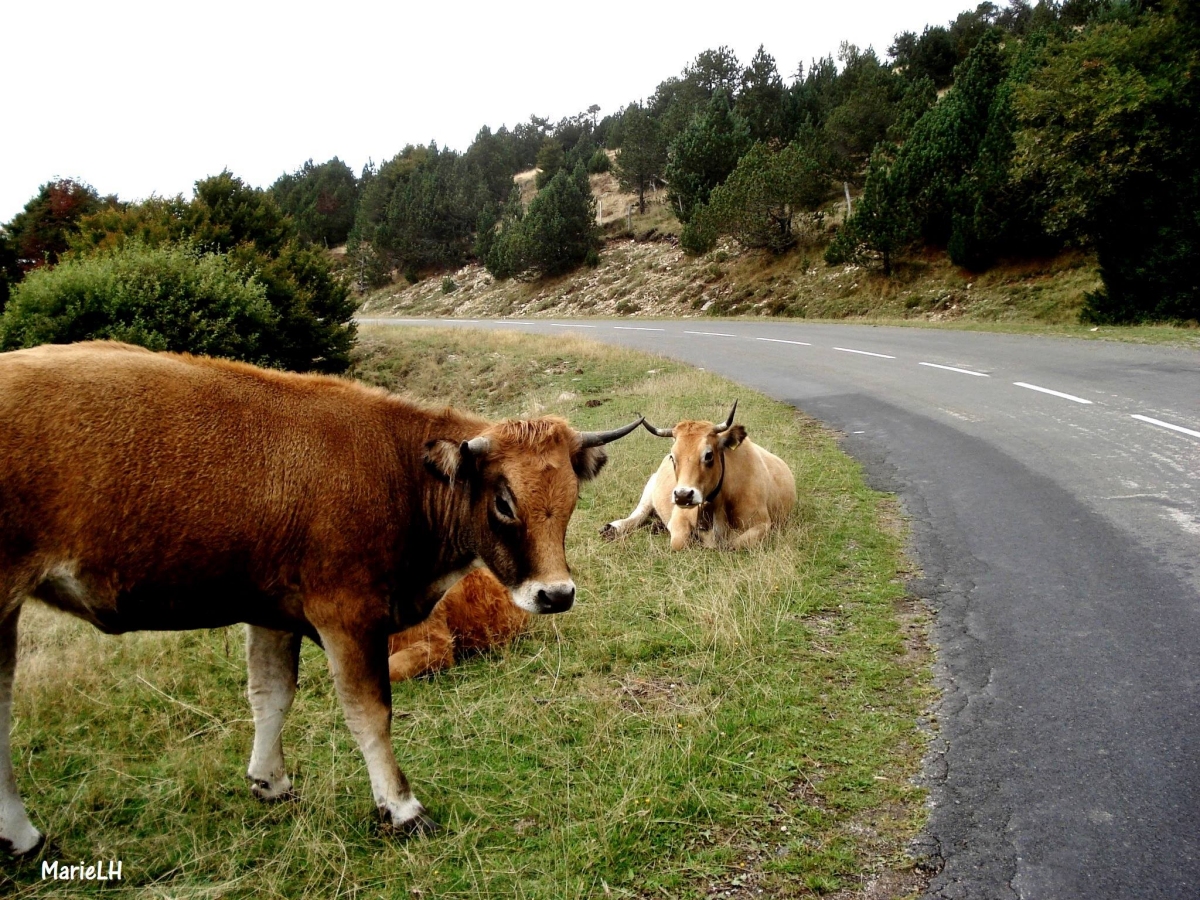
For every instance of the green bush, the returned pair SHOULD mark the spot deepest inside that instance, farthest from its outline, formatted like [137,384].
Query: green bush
[313,328]
[758,202]
[163,298]
[1107,141]
[599,162]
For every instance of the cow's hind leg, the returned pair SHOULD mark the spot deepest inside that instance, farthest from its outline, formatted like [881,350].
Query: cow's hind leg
[17,834]
[358,660]
[273,661]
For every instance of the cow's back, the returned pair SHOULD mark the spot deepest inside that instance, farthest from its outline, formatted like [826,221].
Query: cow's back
[781,491]
[142,467]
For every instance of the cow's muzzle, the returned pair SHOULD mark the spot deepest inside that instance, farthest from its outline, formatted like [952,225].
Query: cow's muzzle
[544,598]
[686,497]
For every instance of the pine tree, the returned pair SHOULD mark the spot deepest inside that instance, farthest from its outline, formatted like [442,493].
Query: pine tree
[881,222]
[643,156]
[760,99]
[704,154]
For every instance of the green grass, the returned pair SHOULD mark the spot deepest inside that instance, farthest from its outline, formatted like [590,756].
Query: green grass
[739,720]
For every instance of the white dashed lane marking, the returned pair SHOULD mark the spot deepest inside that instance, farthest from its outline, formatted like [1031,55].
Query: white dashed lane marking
[1034,387]
[953,369]
[1162,424]
[864,352]
[1022,384]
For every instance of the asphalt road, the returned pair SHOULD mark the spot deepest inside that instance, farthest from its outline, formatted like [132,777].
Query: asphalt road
[1054,490]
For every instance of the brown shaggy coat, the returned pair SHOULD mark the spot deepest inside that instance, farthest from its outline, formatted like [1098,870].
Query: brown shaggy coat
[147,490]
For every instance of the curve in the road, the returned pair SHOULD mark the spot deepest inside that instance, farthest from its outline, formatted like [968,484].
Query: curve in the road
[1054,490]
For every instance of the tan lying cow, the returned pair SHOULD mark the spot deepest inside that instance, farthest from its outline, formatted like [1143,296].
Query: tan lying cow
[715,484]
[147,490]
[476,614]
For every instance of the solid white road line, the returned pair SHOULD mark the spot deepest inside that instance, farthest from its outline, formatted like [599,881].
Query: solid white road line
[1034,387]
[711,333]
[952,369]
[570,325]
[635,328]
[1162,424]
[781,341]
[864,352]
[519,322]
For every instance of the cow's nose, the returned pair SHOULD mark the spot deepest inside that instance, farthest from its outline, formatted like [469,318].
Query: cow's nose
[683,496]
[556,598]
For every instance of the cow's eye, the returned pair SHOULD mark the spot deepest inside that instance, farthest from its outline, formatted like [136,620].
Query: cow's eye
[504,509]
[708,457]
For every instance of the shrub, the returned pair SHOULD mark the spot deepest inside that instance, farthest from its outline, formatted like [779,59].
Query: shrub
[599,162]
[162,298]
[758,202]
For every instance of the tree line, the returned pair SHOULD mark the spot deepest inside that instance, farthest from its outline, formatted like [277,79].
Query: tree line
[225,273]
[1008,132]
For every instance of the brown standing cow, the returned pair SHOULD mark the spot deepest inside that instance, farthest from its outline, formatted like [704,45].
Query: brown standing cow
[145,490]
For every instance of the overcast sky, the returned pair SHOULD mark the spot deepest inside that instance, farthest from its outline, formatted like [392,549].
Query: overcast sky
[137,98]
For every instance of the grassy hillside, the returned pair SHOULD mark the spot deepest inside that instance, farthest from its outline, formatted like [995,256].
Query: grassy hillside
[701,724]
[643,273]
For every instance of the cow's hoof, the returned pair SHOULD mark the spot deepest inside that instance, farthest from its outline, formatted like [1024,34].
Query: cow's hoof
[267,792]
[609,531]
[416,823]
[25,849]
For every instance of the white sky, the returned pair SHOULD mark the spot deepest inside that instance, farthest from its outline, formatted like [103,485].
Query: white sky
[137,98]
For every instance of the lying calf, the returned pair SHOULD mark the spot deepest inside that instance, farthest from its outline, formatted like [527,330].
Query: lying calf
[475,615]
[716,484]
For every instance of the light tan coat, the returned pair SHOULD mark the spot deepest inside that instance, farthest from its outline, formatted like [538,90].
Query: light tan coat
[717,486]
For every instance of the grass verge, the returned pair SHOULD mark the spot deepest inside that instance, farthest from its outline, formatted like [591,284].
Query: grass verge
[702,724]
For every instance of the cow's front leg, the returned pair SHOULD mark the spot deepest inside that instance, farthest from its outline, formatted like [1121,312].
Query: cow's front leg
[17,834]
[681,526]
[358,660]
[633,521]
[272,663]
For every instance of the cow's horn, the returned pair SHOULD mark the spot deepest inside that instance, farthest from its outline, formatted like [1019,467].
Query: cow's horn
[596,438]
[661,432]
[728,422]
[478,446]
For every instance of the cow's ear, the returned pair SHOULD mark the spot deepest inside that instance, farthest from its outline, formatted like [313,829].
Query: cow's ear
[443,459]
[449,460]
[731,438]
[588,461]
